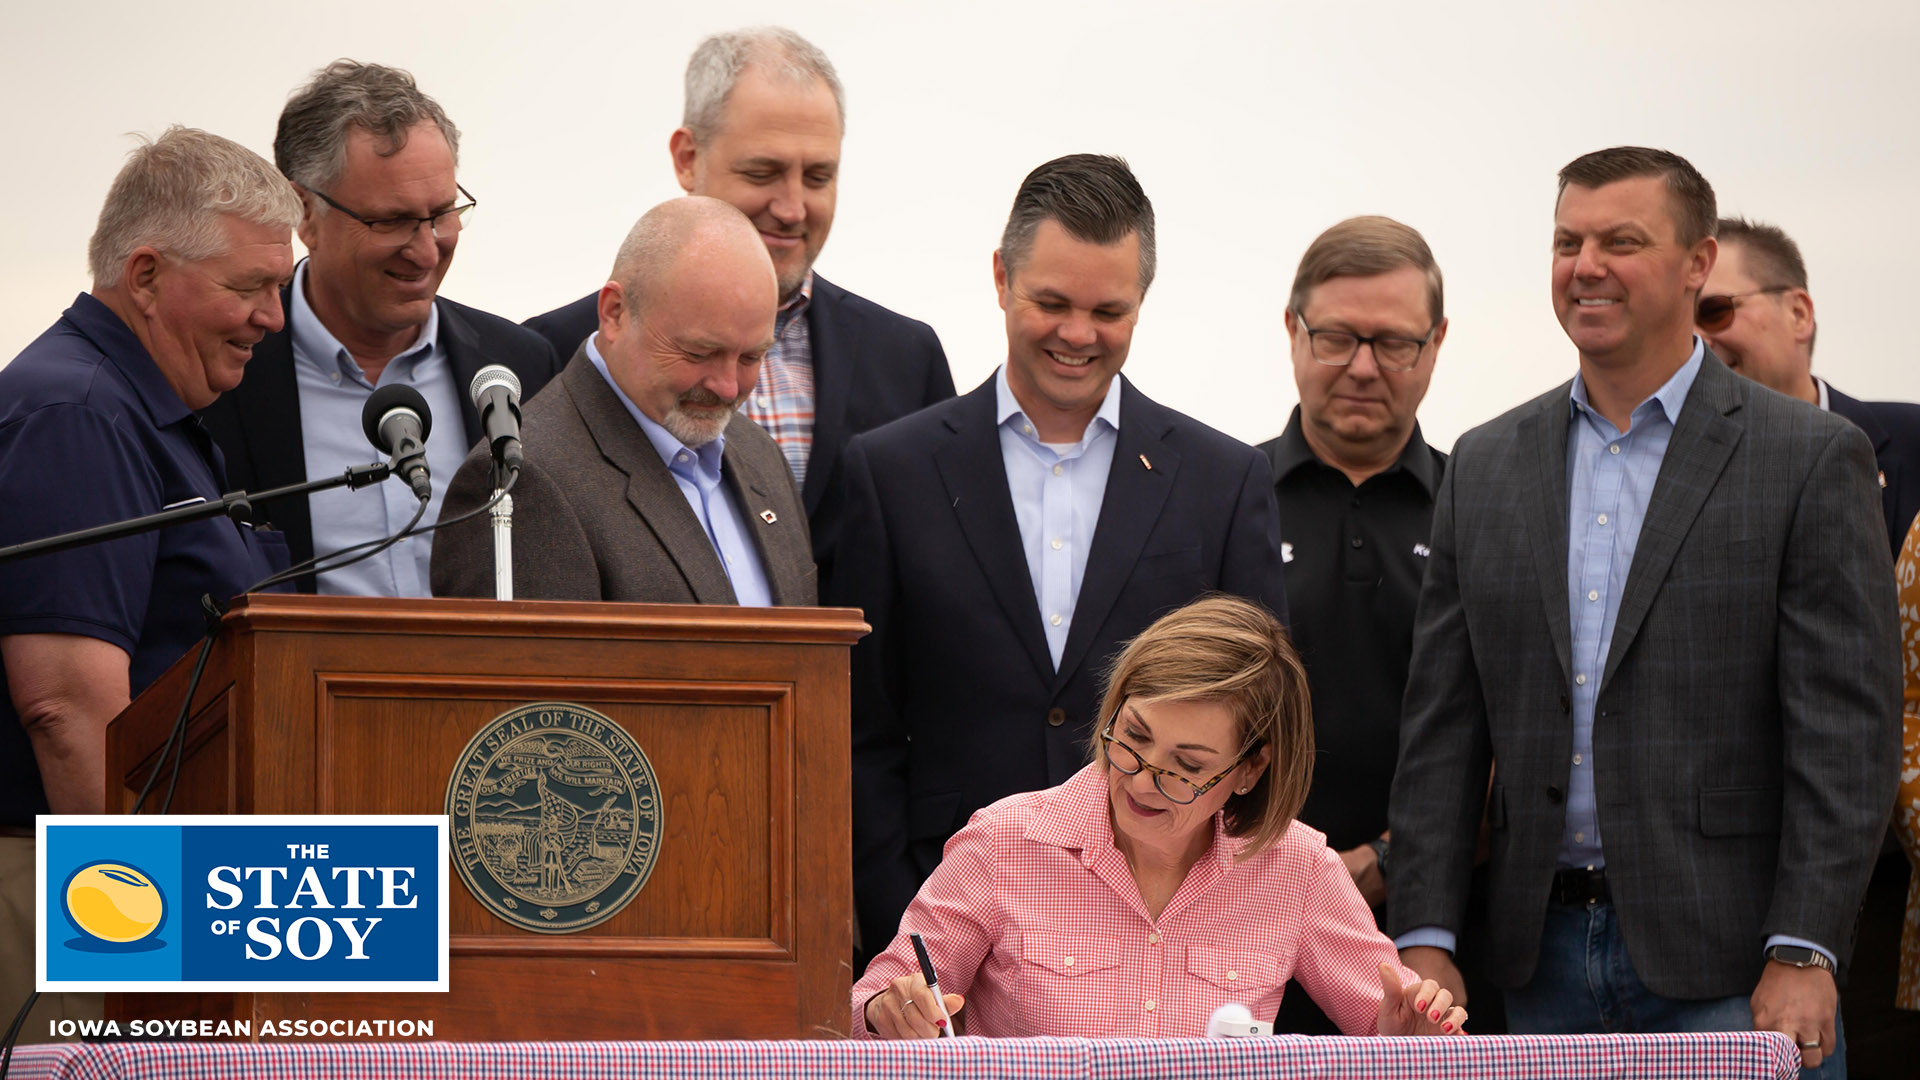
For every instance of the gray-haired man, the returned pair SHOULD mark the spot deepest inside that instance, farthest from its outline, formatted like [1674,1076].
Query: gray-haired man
[761,129]
[374,160]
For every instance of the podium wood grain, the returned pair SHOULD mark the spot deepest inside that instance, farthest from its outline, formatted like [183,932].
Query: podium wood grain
[345,705]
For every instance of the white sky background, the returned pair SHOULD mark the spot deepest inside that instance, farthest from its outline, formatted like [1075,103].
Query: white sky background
[1253,126]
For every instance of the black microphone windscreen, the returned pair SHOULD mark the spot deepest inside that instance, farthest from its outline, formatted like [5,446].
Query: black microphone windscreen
[384,400]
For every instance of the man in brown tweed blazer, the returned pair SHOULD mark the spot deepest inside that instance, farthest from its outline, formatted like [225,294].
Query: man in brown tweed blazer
[642,479]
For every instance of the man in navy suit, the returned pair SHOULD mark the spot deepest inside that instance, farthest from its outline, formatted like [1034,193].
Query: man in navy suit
[763,118]
[1005,544]
[373,159]
[1757,315]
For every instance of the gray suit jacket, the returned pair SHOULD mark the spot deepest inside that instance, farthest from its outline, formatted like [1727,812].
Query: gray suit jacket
[1747,727]
[596,515]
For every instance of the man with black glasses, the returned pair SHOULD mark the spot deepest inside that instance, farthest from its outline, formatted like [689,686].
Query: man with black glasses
[1757,315]
[1355,483]
[373,159]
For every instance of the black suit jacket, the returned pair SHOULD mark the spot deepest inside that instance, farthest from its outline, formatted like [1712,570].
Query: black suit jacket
[956,702]
[257,424]
[1894,429]
[871,366]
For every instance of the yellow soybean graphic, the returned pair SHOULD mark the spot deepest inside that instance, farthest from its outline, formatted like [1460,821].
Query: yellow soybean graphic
[114,902]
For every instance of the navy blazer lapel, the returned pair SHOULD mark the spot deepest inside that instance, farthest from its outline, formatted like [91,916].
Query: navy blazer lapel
[1703,440]
[1543,440]
[464,356]
[834,341]
[267,404]
[975,476]
[651,490]
[1129,508]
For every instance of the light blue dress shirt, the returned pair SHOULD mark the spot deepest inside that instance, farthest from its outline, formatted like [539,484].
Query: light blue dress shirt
[333,389]
[1057,491]
[701,480]
[1610,479]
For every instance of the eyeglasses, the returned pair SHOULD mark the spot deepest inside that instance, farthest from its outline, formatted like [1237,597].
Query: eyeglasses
[399,231]
[1175,787]
[1337,348]
[1715,313]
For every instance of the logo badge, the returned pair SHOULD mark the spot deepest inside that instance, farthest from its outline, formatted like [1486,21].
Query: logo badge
[556,817]
[1286,551]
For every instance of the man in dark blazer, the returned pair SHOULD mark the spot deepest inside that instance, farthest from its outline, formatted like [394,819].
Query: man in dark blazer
[1004,545]
[1757,315]
[643,481]
[763,119]
[1658,599]
[373,159]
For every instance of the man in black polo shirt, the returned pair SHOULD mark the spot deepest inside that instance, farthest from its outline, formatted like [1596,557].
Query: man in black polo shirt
[1355,482]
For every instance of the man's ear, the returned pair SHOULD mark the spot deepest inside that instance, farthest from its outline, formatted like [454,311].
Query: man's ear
[1700,264]
[686,156]
[140,277]
[1002,280]
[1800,311]
[310,208]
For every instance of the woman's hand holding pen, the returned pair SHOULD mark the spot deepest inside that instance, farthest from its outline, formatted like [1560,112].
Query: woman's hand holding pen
[907,1009]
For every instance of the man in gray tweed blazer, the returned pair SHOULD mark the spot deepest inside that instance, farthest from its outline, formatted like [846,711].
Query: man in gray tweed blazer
[1658,612]
[643,481]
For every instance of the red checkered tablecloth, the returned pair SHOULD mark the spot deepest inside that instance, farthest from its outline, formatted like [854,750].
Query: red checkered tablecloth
[1728,1055]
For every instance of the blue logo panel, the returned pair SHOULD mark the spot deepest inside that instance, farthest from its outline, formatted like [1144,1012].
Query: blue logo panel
[243,903]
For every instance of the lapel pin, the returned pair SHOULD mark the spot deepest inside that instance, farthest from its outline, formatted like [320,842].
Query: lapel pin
[1144,461]
[769,516]
[1883,478]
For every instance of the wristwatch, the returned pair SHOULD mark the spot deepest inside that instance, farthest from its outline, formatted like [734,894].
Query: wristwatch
[1379,846]
[1801,957]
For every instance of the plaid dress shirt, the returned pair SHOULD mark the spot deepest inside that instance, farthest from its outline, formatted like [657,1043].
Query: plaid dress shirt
[782,401]
[1034,916]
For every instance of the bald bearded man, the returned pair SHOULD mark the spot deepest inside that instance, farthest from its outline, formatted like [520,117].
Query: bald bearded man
[643,481]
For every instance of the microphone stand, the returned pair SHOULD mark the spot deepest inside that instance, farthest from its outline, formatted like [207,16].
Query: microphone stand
[237,505]
[502,516]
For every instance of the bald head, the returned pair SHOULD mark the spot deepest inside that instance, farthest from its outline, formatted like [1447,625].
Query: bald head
[688,315]
[707,234]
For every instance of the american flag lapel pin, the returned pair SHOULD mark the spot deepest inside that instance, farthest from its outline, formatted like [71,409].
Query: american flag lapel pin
[769,516]
[1144,461]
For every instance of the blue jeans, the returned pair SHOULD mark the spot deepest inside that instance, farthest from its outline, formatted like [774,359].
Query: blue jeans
[1585,985]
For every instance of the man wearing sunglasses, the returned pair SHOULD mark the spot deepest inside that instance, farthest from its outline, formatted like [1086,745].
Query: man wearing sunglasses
[1658,599]
[373,159]
[1757,315]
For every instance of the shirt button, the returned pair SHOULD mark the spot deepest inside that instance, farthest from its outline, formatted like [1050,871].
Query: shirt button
[1056,717]
[1580,680]
[1056,543]
[1593,594]
[1153,939]
[1614,449]
[1059,470]
[681,457]
[1579,838]
[1359,543]
[1603,519]
[1054,619]
[1577,759]
[1232,975]
[1026,429]
[1149,1004]
[1068,962]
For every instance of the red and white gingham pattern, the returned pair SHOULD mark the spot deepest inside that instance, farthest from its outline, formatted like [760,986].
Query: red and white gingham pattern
[1034,916]
[782,401]
[1743,1055]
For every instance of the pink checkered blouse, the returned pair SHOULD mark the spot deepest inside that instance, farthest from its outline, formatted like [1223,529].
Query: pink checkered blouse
[1034,916]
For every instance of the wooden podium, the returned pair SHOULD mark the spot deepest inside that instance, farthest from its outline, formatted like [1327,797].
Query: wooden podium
[347,705]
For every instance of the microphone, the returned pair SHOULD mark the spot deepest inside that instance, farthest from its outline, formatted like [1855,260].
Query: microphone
[496,394]
[397,420]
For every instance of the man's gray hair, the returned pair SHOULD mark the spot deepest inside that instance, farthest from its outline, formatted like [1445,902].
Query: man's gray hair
[718,62]
[173,194]
[310,145]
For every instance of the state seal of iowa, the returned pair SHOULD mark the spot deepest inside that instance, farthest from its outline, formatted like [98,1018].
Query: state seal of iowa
[556,817]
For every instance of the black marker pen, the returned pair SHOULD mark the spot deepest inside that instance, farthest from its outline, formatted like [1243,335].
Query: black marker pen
[933,984]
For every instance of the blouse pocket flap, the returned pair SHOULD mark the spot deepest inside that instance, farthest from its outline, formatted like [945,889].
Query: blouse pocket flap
[1232,969]
[1069,954]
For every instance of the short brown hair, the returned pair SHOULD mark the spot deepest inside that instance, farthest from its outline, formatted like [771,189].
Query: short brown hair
[1364,247]
[310,144]
[1095,197]
[1694,213]
[1225,649]
[1772,257]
